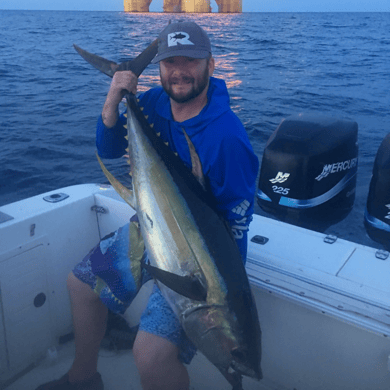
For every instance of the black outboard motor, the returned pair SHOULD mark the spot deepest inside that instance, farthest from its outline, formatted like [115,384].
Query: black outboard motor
[377,213]
[308,172]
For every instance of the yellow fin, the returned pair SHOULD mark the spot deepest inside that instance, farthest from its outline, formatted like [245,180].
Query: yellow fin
[124,192]
[100,285]
[126,137]
[136,251]
[158,134]
[195,160]
[146,117]
[166,143]
[125,114]
[125,126]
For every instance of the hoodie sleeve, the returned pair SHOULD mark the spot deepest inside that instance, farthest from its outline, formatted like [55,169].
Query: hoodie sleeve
[233,177]
[111,142]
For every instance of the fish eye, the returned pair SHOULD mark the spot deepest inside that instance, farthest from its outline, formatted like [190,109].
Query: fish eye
[238,354]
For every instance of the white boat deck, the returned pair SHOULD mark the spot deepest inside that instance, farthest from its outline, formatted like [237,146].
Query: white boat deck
[119,372]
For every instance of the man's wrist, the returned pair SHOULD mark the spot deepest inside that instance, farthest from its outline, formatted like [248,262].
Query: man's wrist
[110,116]
[110,112]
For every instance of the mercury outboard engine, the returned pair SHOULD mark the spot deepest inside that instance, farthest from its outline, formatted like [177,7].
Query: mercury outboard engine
[308,172]
[377,213]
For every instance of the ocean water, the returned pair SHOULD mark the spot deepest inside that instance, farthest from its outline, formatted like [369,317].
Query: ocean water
[274,64]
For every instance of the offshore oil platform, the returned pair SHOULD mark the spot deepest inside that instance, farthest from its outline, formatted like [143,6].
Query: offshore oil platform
[187,6]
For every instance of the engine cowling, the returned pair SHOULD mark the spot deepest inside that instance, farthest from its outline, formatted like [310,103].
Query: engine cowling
[309,168]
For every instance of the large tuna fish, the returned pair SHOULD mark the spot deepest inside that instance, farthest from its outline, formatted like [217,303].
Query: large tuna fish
[192,253]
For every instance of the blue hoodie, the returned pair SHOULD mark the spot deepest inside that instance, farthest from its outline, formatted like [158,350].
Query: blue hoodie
[227,158]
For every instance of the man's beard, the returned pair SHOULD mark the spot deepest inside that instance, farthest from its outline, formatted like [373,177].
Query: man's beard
[195,91]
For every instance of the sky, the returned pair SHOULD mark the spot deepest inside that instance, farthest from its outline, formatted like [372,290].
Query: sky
[248,5]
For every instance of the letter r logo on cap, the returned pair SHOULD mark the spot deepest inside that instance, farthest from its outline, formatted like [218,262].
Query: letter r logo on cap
[181,38]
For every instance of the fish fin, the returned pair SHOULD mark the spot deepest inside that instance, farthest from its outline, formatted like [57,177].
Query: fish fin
[137,65]
[188,286]
[197,170]
[125,193]
[136,251]
[106,66]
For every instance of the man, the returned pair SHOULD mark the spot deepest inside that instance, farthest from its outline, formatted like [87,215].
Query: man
[191,100]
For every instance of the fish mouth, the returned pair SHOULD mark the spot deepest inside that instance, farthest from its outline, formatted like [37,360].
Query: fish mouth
[242,364]
[243,369]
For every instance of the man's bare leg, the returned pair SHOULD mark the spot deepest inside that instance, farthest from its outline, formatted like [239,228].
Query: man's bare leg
[89,322]
[158,364]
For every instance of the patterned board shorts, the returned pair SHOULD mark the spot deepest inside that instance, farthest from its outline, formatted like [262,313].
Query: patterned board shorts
[106,269]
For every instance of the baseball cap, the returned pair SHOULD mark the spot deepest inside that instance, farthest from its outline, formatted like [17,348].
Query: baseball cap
[185,39]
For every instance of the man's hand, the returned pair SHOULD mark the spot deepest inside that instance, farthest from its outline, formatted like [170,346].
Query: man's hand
[122,83]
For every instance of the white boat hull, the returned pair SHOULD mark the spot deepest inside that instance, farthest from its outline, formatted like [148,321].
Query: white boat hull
[324,308]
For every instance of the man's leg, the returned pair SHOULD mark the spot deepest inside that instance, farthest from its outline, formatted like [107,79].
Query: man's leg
[158,363]
[102,281]
[89,322]
[161,347]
